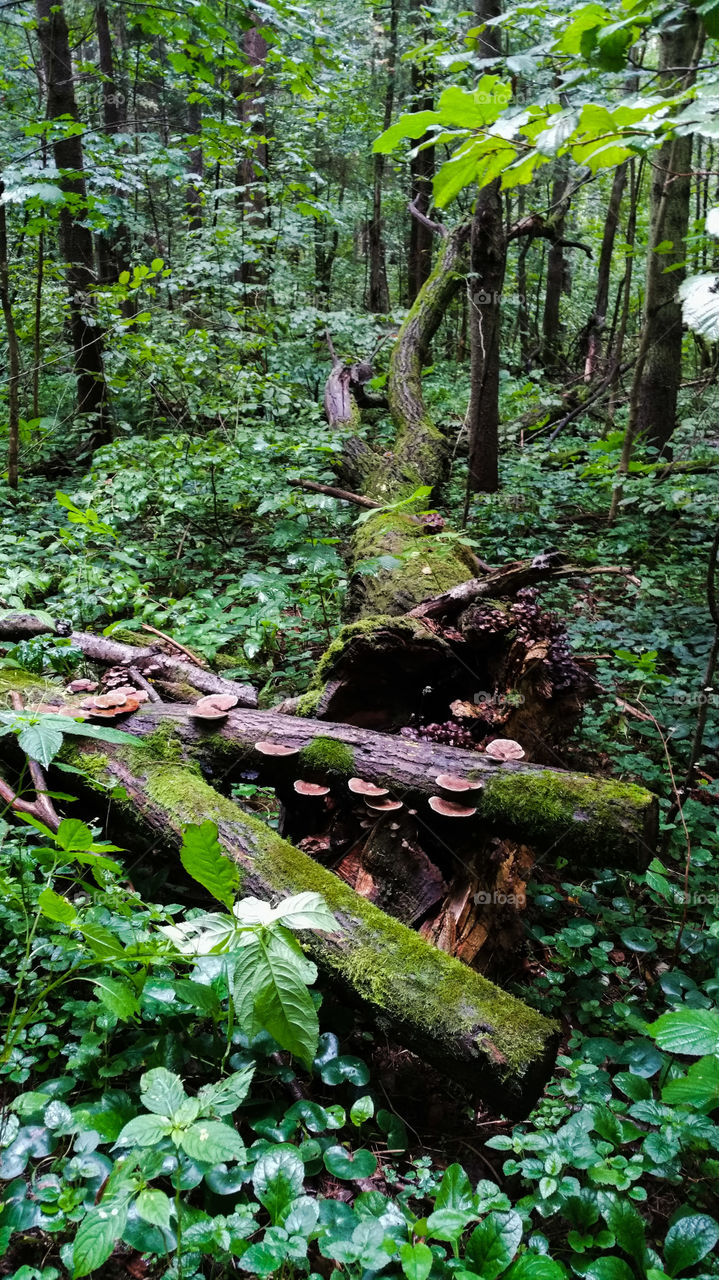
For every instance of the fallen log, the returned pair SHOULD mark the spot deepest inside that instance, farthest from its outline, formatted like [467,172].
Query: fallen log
[500,1049]
[15,626]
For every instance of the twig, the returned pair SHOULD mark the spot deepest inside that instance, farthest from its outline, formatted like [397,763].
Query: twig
[187,652]
[332,492]
[437,227]
[142,683]
[41,807]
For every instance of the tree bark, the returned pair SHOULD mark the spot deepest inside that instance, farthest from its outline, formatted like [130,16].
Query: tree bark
[598,318]
[114,243]
[421,168]
[76,242]
[670,209]
[378,294]
[551,318]
[252,169]
[193,191]
[13,349]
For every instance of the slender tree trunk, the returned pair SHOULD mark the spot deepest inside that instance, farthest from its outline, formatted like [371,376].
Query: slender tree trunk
[114,243]
[76,241]
[670,209]
[551,318]
[601,300]
[37,325]
[487,266]
[419,259]
[13,350]
[378,296]
[193,192]
[252,169]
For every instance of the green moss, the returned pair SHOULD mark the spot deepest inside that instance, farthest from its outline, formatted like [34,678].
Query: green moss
[35,688]
[309,702]
[327,755]
[123,635]
[426,567]
[545,804]
[162,744]
[332,658]
[186,796]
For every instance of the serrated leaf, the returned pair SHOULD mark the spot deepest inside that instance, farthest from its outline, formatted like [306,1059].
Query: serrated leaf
[96,1236]
[212,1142]
[162,1092]
[55,907]
[698,1089]
[305,911]
[154,1207]
[117,996]
[144,1131]
[691,1031]
[73,835]
[204,860]
[226,1096]
[41,742]
[270,995]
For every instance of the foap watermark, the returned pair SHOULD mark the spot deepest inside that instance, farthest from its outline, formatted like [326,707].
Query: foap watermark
[707,698]
[489,298]
[502,701]
[494,898]
[687,898]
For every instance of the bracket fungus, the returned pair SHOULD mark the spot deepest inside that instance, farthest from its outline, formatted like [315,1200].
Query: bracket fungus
[310,788]
[360,787]
[213,707]
[502,749]
[449,809]
[381,805]
[453,783]
[267,748]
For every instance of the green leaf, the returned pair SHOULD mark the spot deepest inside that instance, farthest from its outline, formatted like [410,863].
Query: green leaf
[305,911]
[154,1207]
[117,995]
[55,907]
[144,1131]
[270,994]
[41,741]
[73,835]
[278,1179]
[637,939]
[212,1142]
[691,1031]
[493,1244]
[609,1268]
[628,1227]
[162,1092]
[349,1165]
[413,125]
[336,1070]
[448,1224]
[698,1089]
[204,860]
[688,1241]
[535,1266]
[416,1260]
[362,1110]
[96,1236]
[229,1094]
[455,1191]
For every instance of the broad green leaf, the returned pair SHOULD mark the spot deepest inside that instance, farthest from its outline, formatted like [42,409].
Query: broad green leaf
[535,1266]
[117,995]
[270,994]
[455,1191]
[201,997]
[278,1179]
[204,860]
[144,1131]
[698,1089]
[154,1207]
[609,1268]
[628,1227]
[349,1165]
[694,1032]
[493,1244]
[688,1241]
[41,741]
[227,1096]
[413,125]
[162,1091]
[212,1142]
[55,907]
[362,1110]
[416,1260]
[96,1236]
[73,835]
[448,1224]
[305,911]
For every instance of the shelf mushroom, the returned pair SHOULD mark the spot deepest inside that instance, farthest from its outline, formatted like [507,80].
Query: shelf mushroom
[502,749]
[449,809]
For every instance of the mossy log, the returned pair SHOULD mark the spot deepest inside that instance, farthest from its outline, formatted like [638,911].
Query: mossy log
[596,821]
[500,1049]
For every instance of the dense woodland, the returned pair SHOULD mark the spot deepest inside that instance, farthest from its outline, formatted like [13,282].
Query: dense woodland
[358,638]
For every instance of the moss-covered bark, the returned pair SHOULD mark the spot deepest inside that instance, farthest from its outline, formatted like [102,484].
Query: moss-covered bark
[499,1048]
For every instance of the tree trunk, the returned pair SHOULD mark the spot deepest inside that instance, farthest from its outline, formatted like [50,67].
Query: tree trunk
[252,169]
[378,294]
[551,318]
[114,243]
[670,210]
[193,191]
[13,350]
[488,263]
[421,168]
[76,244]
[601,299]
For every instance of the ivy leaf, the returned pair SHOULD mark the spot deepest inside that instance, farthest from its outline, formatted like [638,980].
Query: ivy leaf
[55,907]
[96,1236]
[203,859]
[278,1179]
[688,1241]
[162,1092]
[493,1244]
[212,1142]
[349,1165]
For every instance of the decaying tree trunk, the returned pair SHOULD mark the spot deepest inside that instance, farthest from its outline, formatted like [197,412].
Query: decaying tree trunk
[13,348]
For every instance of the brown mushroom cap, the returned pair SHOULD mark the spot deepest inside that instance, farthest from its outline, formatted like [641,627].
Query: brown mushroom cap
[206,713]
[110,713]
[268,748]
[453,782]
[82,686]
[387,805]
[359,787]
[504,749]
[310,788]
[448,809]
[114,699]
[217,702]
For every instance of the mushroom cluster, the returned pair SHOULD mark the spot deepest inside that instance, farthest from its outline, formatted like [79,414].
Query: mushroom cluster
[118,702]
[452,785]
